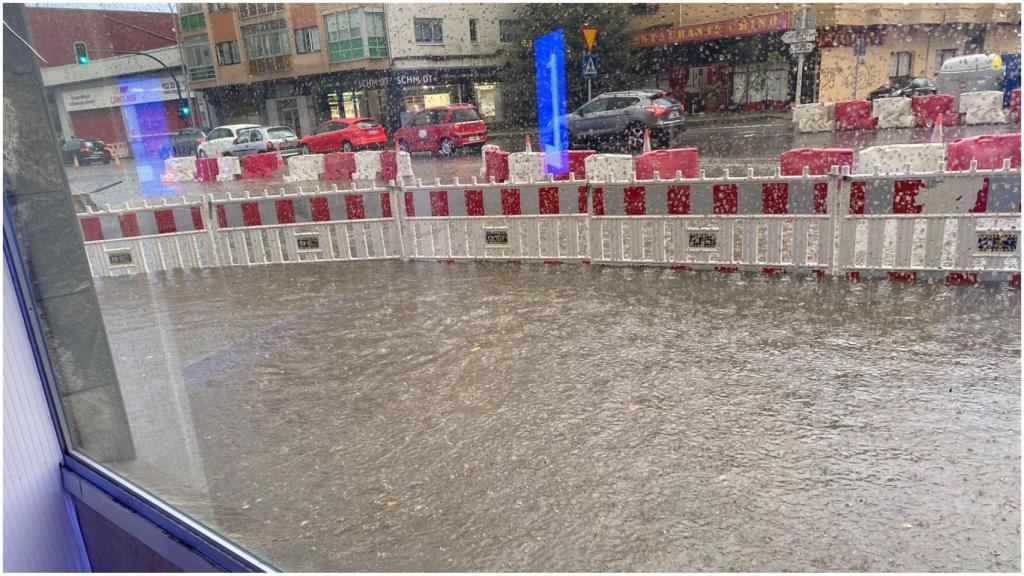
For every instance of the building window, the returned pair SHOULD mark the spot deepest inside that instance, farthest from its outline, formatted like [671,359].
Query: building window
[227,53]
[900,64]
[198,58]
[192,17]
[505,31]
[376,35]
[307,40]
[428,30]
[472,31]
[942,55]
[759,82]
[250,10]
[217,7]
[344,36]
[267,46]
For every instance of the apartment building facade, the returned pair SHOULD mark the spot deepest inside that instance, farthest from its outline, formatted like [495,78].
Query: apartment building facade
[301,64]
[732,57]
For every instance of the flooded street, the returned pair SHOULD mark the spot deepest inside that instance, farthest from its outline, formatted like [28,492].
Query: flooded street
[395,416]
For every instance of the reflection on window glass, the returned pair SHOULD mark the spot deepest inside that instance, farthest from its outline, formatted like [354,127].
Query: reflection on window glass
[468,287]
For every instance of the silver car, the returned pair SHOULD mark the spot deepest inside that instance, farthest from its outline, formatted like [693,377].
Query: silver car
[280,139]
[626,115]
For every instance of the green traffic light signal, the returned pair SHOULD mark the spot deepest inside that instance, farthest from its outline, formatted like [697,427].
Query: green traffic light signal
[185,111]
[81,53]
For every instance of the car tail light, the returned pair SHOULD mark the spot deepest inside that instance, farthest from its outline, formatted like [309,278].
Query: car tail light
[658,111]
[200,140]
[83,149]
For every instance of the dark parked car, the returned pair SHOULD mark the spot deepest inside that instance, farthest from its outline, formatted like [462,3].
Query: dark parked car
[87,150]
[626,115]
[915,87]
[187,141]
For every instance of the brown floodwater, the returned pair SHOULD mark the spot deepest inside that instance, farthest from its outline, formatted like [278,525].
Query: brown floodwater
[394,416]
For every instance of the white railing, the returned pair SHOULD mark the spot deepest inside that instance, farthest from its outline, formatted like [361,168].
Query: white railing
[958,225]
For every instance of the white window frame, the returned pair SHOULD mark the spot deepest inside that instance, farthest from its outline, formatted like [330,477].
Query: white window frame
[436,27]
[237,55]
[307,37]
[258,44]
[896,64]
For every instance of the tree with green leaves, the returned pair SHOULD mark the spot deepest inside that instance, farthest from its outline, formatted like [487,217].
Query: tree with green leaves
[619,62]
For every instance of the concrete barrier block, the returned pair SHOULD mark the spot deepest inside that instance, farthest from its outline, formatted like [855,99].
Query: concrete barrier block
[895,157]
[610,167]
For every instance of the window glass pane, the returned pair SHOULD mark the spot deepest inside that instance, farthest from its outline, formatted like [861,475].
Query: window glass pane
[385,345]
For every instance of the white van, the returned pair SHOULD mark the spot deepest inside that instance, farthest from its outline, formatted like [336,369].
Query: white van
[971,73]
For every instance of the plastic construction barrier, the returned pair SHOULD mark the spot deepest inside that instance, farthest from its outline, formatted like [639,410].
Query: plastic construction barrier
[854,115]
[894,158]
[496,165]
[667,163]
[258,166]
[367,165]
[228,167]
[984,107]
[526,167]
[395,166]
[339,166]
[207,169]
[1015,104]
[817,117]
[179,169]
[988,151]
[577,164]
[927,108]
[818,161]
[300,209]
[493,200]
[610,167]
[304,168]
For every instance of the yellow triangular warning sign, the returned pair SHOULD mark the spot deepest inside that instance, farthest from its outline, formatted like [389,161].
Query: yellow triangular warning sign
[589,36]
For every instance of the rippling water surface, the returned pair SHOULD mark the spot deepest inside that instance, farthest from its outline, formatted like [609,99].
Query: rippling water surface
[402,416]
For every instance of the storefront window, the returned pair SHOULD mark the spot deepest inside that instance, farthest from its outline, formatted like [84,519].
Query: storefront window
[227,53]
[345,35]
[197,57]
[307,40]
[428,30]
[761,82]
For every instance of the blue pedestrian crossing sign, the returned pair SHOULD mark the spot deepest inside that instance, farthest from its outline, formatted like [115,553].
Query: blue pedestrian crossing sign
[589,66]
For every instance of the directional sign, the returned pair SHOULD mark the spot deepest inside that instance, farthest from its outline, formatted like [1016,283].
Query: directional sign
[805,35]
[589,36]
[589,66]
[801,47]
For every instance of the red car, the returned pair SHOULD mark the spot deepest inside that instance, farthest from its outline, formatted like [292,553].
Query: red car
[345,134]
[443,129]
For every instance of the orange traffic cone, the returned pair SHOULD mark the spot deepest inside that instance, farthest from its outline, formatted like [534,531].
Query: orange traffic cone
[647,140]
[76,162]
[529,145]
[937,131]
[117,163]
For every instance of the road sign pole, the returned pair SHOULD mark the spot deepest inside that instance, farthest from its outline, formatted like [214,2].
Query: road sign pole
[799,76]
[589,97]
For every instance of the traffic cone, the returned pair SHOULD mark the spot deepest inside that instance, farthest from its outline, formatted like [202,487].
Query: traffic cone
[529,145]
[117,163]
[647,140]
[76,162]
[937,131]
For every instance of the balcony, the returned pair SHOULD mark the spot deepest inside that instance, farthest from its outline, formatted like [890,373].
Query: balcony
[201,73]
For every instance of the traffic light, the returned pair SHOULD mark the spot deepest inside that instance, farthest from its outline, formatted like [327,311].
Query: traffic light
[185,111]
[81,53]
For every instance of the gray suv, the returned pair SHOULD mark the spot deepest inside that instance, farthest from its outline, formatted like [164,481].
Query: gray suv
[626,115]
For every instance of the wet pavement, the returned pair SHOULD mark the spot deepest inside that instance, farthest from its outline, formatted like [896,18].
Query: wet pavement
[732,147]
[397,416]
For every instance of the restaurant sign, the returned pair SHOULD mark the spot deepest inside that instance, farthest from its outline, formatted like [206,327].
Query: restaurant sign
[846,37]
[775,22]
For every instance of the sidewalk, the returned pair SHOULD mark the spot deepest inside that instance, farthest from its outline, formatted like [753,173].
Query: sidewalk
[692,120]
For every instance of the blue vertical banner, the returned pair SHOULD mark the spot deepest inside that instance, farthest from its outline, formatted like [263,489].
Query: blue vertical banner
[549,64]
[148,133]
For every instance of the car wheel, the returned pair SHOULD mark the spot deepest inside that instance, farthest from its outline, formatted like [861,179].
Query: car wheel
[305,150]
[635,136]
[447,147]
[346,146]
[403,145]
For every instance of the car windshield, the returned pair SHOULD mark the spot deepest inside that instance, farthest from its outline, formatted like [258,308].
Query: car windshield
[519,287]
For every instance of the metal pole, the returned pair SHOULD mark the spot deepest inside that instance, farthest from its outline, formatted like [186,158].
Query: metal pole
[589,98]
[799,76]
[856,73]
[184,66]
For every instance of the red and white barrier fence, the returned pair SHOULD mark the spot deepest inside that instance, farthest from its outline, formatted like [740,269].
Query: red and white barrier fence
[919,222]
